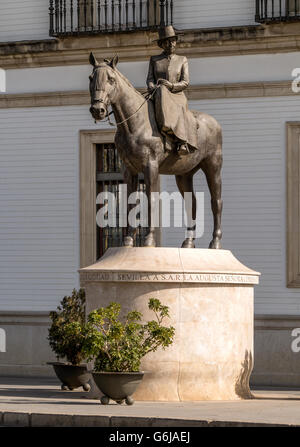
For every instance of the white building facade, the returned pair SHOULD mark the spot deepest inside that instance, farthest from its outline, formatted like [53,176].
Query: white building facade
[242,58]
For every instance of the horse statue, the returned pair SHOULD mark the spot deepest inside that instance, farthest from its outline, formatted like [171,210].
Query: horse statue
[141,147]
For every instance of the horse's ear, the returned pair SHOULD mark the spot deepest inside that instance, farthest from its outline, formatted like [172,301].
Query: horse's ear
[93,60]
[114,61]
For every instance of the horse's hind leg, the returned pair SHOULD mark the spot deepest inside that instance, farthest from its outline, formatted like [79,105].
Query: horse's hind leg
[185,185]
[212,169]
[151,178]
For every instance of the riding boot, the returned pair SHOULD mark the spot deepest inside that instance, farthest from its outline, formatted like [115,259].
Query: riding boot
[168,144]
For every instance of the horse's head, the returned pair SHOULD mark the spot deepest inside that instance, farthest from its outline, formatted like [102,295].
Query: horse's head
[102,86]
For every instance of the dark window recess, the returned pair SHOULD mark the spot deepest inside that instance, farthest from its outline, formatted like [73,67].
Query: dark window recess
[71,17]
[272,11]
[109,177]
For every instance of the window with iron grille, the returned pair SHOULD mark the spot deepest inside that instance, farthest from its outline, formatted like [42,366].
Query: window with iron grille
[109,177]
[272,11]
[75,17]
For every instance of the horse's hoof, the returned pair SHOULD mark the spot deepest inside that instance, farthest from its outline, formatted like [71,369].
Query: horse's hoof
[149,241]
[104,400]
[216,245]
[86,387]
[128,241]
[188,243]
[129,400]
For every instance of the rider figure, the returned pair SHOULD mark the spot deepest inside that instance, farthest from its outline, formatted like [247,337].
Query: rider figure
[171,73]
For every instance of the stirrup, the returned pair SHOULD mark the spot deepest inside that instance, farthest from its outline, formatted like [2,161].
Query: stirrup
[183,149]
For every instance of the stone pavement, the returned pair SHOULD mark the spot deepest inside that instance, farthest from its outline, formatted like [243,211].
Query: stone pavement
[40,402]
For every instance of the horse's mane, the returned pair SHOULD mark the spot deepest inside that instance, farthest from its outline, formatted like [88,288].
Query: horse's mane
[127,81]
[105,64]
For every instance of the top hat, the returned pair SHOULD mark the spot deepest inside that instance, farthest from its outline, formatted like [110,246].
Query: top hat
[166,33]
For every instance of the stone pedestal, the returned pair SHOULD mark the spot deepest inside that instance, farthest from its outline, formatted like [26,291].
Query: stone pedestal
[210,296]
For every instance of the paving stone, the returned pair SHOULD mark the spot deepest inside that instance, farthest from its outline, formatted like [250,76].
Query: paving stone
[91,421]
[165,422]
[129,421]
[51,420]
[14,419]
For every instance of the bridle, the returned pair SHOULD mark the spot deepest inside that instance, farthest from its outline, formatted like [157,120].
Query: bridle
[148,96]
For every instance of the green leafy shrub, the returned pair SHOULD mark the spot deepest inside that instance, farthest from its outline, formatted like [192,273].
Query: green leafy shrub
[67,332]
[117,346]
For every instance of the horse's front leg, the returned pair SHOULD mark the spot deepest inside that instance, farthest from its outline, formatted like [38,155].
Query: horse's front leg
[185,185]
[151,177]
[132,186]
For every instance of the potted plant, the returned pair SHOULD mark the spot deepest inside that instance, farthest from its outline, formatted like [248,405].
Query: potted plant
[66,337]
[117,347]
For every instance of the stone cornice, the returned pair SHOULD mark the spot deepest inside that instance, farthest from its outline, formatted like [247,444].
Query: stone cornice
[240,90]
[47,99]
[277,322]
[209,91]
[137,46]
[25,318]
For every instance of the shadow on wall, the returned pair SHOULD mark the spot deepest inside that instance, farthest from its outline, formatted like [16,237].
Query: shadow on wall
[242,388]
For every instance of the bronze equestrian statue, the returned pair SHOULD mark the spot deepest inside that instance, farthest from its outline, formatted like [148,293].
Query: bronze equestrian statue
[146,135]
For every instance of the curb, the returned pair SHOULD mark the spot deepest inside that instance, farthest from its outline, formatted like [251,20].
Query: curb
[24,419]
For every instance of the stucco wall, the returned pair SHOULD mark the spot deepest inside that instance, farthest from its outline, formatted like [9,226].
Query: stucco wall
[29,19]
[248,68]
[39,202]
[24,19]
[208,14]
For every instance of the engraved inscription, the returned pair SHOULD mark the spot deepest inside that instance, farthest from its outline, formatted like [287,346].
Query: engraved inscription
[96,276]
[168,277]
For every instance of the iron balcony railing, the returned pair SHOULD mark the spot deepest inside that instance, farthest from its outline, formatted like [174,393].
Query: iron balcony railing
[71,17]
[270,11]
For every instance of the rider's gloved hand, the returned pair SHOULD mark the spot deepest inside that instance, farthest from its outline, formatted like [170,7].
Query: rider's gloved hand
[166,83]
[151,87]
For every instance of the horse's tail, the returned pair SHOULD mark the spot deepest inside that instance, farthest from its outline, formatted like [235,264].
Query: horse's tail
[219,139]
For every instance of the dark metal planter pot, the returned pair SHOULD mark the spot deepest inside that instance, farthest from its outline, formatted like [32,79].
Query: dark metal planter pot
[71,376]
[118,386]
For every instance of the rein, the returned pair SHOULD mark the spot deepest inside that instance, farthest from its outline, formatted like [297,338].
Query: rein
[147,99]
